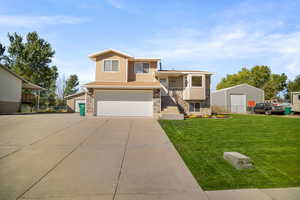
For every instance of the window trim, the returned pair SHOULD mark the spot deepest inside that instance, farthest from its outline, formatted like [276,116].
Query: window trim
[103,67]
[142,66]
[194,107]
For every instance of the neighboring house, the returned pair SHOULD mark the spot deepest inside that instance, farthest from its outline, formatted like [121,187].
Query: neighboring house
[128,86]
[11,86]
[236,99]
[74,100]
[295,100]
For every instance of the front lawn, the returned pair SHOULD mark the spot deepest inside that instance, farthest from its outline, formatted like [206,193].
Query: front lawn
[273,143]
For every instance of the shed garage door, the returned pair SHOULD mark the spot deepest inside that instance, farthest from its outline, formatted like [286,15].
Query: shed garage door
[238,103]
[124,103]
[77,102]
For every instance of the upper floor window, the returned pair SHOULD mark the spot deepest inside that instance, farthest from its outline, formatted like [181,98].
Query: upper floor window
[196,81]
[141,68]
[111,65]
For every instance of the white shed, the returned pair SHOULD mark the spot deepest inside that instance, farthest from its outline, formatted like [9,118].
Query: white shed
[295,97]
[236,99]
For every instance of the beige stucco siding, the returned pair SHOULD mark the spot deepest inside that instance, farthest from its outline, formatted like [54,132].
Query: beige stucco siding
[196,93]
[120,76]
[10,87]
[132,76]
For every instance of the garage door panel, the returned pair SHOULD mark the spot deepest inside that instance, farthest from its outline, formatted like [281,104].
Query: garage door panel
[238,103]
[124,103]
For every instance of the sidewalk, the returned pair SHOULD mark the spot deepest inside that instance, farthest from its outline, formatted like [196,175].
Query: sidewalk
[256,194]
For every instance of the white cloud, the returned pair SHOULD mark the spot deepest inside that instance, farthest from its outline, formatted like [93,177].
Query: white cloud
[245,35]
[124,6]
[116,4]
[33,21]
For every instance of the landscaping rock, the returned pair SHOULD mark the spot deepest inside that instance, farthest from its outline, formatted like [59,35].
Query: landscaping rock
[238,160]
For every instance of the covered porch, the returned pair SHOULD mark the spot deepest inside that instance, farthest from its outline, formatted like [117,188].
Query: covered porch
[191,85]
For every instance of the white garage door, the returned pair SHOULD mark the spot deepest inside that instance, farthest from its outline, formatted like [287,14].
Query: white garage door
[77,102]
[124,103]
[238,103]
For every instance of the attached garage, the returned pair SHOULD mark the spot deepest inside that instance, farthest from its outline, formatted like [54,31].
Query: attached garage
[236,99]
[124,103]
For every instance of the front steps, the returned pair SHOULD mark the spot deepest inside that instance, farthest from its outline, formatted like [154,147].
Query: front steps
[171,113]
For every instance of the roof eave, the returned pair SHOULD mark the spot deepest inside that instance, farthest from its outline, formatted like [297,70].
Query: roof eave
[121,87]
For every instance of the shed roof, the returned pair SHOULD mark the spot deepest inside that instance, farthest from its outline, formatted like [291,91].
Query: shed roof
[235,86]
[75,95]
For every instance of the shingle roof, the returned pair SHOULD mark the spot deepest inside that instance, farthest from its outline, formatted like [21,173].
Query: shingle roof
[94,55]
[183,71]
[235,86]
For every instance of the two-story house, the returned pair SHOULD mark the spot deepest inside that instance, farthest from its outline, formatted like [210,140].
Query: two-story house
[128,86]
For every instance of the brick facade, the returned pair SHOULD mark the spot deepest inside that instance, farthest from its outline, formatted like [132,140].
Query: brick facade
[156,101]
[90,102]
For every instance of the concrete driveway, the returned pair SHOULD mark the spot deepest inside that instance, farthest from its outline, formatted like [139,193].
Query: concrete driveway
[64,156]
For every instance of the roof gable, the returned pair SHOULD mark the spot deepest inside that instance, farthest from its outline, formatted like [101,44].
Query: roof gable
[100,53]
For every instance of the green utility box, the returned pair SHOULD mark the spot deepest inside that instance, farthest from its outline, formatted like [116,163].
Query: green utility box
[288,111]
[82,109]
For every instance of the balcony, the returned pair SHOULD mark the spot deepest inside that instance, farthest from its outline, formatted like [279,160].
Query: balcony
[28,98]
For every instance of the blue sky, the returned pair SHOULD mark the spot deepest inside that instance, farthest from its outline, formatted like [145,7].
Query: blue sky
[218,36]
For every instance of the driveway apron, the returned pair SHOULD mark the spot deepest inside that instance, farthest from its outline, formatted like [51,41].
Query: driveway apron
[93,158]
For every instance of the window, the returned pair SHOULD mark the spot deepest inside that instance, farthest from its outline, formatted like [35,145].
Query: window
[298,97]
[141,68]
[111,65]
[196,81]
[194,107]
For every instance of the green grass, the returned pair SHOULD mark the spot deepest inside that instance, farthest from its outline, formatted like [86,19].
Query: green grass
[273,143]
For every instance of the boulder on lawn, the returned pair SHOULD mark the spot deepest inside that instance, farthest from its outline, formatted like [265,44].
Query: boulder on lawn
[238,160]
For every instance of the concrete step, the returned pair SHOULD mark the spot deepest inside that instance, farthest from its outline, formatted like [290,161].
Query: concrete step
[171,110]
